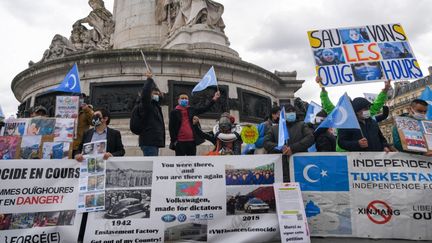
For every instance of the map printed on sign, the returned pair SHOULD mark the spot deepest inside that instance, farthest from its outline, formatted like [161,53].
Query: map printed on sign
[363,54]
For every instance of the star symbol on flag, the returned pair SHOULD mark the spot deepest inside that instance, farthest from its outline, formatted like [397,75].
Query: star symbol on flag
[323,173]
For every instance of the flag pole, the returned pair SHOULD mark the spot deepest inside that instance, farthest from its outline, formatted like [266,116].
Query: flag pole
[145,62]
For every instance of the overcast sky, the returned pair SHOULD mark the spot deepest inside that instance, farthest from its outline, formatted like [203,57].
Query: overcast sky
[271,33]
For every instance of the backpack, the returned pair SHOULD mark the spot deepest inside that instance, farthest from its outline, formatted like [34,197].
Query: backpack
[136,123]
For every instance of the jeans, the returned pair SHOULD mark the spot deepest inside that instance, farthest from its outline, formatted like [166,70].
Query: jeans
[150,150]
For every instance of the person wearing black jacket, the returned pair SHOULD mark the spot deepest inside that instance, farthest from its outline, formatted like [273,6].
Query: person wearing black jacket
[183,136]
[152,136]
[300,135]
[101,131]
[369,138]
[325,141]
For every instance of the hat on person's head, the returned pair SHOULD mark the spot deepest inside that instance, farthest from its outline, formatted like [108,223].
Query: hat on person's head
[360,103]
[40,108]
[290,108]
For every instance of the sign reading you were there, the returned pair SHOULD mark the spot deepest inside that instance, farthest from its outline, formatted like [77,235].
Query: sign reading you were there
[363,54]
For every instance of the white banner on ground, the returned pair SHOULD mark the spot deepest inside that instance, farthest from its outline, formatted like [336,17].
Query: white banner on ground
[369,194]
[202,198]
[38,201]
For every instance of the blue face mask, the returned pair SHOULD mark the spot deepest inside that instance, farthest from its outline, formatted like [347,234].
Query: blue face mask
[290,117]
[184,103]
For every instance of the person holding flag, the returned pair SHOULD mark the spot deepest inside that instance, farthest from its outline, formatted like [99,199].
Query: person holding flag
[375,107]
[325,141]
[361,134]
[208,80]
[290,136]
[183,137]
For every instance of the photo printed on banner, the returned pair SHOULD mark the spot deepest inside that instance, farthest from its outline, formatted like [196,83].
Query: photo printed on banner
[122,204]
[129,174]
[250,200]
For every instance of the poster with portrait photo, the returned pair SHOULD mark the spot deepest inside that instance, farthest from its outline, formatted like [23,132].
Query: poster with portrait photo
[41,126]
[64,130]
[91,182]
[411,134]
[15,127]
[94,148]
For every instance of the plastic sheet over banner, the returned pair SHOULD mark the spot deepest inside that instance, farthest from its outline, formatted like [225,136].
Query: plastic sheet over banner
[370,194]
[194,199]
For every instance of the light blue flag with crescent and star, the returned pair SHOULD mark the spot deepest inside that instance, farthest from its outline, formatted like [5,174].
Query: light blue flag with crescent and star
[71,83]
[283,134]
[342,116]
[312,111]
[426,95]
[208,80]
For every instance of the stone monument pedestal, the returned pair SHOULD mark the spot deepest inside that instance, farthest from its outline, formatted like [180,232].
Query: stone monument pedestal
[200,38]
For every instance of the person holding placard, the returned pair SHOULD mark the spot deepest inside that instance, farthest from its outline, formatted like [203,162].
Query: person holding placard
[417,111]
[101,131]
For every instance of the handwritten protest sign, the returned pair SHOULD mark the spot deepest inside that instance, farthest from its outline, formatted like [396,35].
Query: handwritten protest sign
[363,54]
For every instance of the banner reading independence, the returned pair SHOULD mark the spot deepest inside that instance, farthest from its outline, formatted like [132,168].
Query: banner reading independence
[38,201]
[363,54]
[202,198]
[370,195]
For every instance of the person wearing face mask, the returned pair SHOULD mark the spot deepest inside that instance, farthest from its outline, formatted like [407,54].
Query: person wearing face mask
[300,135]
[152,136]
[417,111]
[225,136]
[369,138]
[101,131]
[183,137]
[325,141]
[272,120]
[375,107]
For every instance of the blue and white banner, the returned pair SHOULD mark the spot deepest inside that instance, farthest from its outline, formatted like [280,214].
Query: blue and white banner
[369,194]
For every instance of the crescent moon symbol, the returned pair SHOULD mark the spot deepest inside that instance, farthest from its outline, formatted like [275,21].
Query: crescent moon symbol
[344,116]
[74,80]
[305,173]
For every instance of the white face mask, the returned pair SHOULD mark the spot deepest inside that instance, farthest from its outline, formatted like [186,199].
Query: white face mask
[318,119]
[155,98]
[418,116]
[366,114]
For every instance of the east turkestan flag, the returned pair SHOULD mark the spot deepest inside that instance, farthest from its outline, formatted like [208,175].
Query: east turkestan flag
[71,83]
[208,80]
